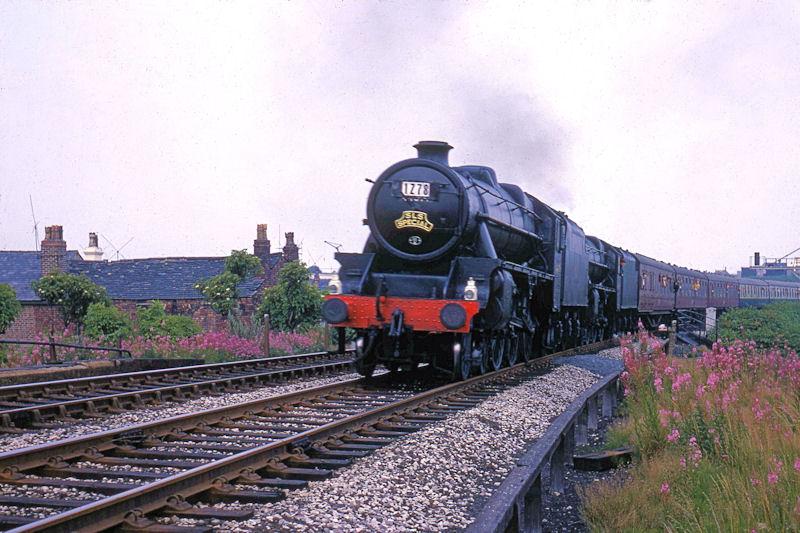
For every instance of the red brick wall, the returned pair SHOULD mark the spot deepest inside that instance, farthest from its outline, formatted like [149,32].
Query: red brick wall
[34,320]
[37,319]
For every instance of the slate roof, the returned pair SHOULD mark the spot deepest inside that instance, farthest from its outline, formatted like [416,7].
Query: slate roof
[20,269]
[167,278]
[273,259]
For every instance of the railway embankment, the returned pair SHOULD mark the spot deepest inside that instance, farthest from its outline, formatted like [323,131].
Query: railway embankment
[716,440]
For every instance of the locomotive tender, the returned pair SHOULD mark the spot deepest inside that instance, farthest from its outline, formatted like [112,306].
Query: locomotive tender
[469,274]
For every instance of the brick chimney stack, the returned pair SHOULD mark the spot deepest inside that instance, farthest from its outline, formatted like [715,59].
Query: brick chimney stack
[54,250]
[290,250]
[261,246]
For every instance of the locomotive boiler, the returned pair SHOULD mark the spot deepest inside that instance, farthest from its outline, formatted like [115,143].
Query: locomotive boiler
[466,273]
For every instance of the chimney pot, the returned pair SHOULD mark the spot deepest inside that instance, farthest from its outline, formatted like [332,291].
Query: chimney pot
[93,252]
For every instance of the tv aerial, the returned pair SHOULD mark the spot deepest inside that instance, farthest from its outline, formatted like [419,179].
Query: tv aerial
[35,224]
[334,245]
[117,251]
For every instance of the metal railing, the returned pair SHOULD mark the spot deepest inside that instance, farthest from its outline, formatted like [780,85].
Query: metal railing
[516,505]
[52,347]
[697,323]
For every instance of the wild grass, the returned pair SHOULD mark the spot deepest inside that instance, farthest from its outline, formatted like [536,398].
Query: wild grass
[717,443]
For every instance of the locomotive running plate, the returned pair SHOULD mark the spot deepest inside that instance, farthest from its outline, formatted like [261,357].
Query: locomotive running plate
[416,189]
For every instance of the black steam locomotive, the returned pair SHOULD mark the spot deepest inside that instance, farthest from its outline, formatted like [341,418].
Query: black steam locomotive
[469,274]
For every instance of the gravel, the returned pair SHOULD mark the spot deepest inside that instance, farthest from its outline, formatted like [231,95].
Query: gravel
[432,480]
[37,491]
[603,363]
[66,430]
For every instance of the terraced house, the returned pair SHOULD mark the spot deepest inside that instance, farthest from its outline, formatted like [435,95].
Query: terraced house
[132,282]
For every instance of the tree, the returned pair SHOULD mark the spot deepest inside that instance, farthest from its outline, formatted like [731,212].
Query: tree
[221,290]
[243,264]
[294,303]
[73,294]
[106,321]
[9,306]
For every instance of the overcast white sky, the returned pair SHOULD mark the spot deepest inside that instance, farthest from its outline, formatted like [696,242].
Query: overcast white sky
[670,129]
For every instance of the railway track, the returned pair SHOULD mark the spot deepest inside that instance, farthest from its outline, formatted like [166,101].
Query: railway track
[51,403]
[250,453]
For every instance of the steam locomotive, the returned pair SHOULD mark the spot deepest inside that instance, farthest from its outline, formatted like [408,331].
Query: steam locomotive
[468,275]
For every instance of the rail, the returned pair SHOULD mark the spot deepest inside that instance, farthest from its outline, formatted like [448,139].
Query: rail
[279,443]
[516,505]
[53,344]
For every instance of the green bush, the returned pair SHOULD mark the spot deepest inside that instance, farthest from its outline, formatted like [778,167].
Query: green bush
[220,291]
[153,321]
[73,294]
[294,303]
[773,325]
[106,321]
[180,327]
[9,307]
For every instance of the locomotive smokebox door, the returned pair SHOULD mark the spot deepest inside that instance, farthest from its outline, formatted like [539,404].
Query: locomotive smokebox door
[415,208]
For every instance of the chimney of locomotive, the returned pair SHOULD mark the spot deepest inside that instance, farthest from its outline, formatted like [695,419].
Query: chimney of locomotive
[757,259]
[435,151]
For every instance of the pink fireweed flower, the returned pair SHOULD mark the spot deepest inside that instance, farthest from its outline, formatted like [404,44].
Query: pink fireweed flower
[755,481]
[673,436]
[772,478]
[683,462]
[759,409]
[665,488]
[680,381]
[797,464]
[658,384]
